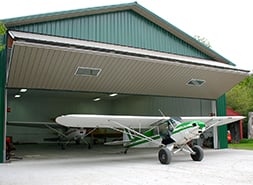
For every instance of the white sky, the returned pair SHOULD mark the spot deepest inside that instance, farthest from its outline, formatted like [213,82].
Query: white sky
[227,24]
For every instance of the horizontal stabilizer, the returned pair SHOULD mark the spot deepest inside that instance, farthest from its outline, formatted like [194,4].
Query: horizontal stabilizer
[113,143]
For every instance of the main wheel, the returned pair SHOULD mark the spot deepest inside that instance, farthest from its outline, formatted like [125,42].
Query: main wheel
[199,154]
[164,156]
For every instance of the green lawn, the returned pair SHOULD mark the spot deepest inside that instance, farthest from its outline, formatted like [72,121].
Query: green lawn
[244,144]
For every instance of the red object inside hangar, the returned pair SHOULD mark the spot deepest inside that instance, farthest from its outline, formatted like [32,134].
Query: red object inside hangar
[231,112]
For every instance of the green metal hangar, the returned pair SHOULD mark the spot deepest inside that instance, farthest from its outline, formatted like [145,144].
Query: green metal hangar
[72,61]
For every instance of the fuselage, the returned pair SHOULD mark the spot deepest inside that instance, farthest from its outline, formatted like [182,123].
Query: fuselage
[187,131]
[75,134]
[176,133]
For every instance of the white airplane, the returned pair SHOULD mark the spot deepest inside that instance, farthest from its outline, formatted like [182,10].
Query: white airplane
[66,135]
[70,134]
[173,135]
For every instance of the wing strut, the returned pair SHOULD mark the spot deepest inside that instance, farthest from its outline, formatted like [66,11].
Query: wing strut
[55,130]
[215,123]
[138,134]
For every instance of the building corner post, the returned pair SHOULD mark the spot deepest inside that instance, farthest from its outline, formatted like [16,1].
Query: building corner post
[222,130]
[3,55]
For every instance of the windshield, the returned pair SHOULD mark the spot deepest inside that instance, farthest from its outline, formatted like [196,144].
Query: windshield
[174,122]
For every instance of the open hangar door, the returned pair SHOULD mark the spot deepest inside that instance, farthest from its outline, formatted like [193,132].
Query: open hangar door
[42,107]
[65,75]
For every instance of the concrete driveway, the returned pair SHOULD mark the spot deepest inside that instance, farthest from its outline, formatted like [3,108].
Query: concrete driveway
[48,165]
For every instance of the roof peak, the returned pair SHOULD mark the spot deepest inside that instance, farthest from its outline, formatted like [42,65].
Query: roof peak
[134,6]
[15,21]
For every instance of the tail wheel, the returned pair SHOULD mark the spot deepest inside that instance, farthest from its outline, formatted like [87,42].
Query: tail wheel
[89,146]
[164,156]
[63,146]
[8,156]
[199,154]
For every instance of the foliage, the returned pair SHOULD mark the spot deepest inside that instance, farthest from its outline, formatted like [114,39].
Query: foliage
[244,144]
[203,40]
[246,141]
[240,97]
[3,30]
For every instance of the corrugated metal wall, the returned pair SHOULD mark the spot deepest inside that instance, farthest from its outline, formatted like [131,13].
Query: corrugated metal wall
[171,106]
[124,28]
[54,104]
[27,109]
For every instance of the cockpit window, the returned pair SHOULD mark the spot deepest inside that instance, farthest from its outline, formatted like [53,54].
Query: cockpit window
[168,125]
[174,122]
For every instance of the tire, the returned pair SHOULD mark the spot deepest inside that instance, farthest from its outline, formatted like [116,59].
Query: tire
[89,146]
[199,154]
[63,146]
[8,156]
[164,156]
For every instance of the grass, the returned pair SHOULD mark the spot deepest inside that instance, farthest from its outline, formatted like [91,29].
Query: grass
[244,144]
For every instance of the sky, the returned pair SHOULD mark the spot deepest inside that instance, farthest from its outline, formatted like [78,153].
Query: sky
[226,24]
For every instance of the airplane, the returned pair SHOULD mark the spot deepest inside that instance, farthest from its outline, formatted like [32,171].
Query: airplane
[66,135]
[170,134]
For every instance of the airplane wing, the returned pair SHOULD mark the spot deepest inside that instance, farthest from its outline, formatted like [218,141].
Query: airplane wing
[32,124]
[214,120]
[119,121]
[108,121]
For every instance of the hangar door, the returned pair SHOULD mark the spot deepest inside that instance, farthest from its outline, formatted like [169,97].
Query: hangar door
[39,62]
[54,63]
[65,75]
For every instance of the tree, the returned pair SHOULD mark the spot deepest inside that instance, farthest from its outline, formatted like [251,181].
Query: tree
[3,30]
[203,40]
[240,99]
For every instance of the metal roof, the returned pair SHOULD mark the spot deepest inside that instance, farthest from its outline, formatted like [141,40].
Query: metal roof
[47,62]
[114,8]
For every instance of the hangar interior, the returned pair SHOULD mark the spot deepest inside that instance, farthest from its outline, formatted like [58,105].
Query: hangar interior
[45,106]
[67,59]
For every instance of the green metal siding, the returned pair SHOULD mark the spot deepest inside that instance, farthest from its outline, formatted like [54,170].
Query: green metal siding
[170,106]
[222,130]
[2,101]
[123,28]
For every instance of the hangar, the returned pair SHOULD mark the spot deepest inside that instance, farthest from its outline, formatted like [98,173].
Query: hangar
[72,61]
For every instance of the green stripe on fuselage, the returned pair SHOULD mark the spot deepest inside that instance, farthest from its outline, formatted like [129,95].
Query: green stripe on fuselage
[141,140]
[186,125]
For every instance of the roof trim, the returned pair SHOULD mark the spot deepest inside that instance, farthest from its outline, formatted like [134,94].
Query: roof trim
[123,50]
[66,14]
[121,7]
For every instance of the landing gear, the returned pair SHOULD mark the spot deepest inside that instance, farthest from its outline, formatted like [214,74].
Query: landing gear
[165,153]
[63,146]
[89,146]
[125,151]
[198,154]
[164,156]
